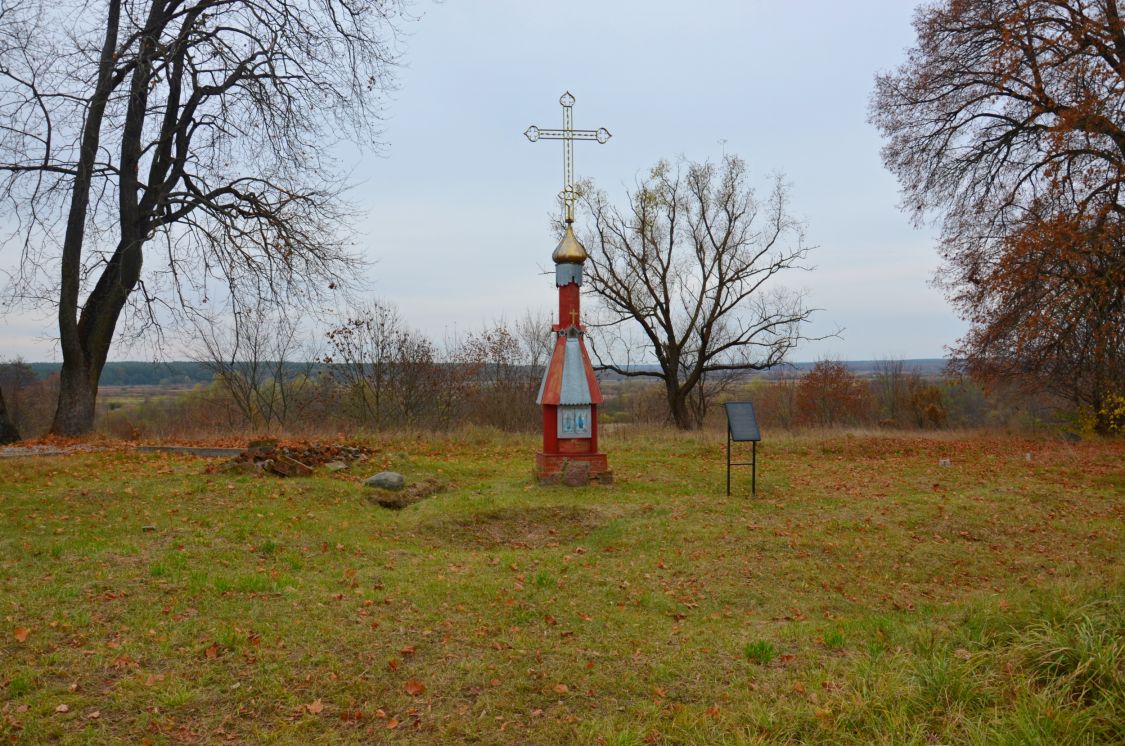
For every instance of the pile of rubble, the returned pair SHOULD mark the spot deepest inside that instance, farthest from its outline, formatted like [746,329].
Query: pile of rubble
[269,455]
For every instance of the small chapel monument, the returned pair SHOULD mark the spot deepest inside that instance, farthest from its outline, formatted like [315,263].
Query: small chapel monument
[569,393]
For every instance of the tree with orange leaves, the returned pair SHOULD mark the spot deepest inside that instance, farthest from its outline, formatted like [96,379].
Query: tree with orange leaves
[1007,123]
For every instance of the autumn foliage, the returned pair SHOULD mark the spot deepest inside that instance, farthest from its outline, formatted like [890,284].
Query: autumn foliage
[1006,122]
[830,395]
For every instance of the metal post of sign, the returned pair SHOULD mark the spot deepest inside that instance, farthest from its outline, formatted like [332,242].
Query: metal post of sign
[742,426]
[728,461]
[753,470]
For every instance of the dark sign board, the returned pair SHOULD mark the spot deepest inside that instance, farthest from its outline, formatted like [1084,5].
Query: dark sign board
[742,421]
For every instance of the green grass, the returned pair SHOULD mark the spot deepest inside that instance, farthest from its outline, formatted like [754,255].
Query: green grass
[760,651]
[866,595]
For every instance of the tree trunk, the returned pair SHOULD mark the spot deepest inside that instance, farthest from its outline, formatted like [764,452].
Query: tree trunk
[78,393]
[678,406]
[78,385]
[81,371]
[8,431]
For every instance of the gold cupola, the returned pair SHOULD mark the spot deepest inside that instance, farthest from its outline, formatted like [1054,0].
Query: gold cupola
[570,250]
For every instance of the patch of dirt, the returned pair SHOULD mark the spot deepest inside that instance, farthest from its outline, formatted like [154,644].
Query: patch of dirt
[518,528]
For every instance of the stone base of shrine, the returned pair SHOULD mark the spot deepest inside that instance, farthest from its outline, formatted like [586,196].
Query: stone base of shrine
[572,469]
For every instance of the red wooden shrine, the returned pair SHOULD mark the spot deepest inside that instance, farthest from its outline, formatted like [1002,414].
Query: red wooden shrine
[569,394]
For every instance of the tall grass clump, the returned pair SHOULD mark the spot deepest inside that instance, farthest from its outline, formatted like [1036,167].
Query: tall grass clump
[1048,670]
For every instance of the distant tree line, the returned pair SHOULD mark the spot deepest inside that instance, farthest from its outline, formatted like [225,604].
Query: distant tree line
[374,373]
[887,394]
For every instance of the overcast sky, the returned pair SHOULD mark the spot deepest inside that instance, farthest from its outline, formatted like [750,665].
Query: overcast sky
[459,203]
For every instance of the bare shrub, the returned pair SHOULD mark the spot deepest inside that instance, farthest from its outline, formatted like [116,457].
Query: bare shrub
[510,368]
[775,399]
[263,362]
[29,400]
[386,373]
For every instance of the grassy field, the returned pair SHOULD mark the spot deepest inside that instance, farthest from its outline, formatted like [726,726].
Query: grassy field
[871,593]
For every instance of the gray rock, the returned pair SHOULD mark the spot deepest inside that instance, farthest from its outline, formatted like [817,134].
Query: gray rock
[386,480]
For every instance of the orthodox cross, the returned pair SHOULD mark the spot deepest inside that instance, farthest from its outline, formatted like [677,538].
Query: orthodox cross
[568,135]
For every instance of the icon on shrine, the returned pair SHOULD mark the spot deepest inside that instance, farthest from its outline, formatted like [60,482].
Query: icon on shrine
[569,393]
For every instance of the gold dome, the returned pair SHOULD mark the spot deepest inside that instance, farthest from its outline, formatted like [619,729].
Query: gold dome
[570,250]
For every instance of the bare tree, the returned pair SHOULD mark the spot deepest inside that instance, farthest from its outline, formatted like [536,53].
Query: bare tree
[691,262]
[195,134]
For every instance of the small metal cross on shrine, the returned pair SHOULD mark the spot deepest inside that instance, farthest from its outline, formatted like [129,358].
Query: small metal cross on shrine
[568,135]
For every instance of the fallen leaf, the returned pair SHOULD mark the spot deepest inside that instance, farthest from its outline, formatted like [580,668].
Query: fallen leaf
[62,708]
[93,715]
[22,633]
[414,687]
[408,650]
[212,651]
[315,707]
[562,688]
[392,724]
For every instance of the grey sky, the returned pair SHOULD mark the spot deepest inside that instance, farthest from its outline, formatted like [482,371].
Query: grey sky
[783,85]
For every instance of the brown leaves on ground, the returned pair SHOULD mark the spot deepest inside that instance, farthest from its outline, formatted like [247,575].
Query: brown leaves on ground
[21,633]
[414,688]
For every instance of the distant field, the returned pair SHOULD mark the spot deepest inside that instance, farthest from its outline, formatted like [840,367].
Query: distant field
[869,594]
[112,397]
